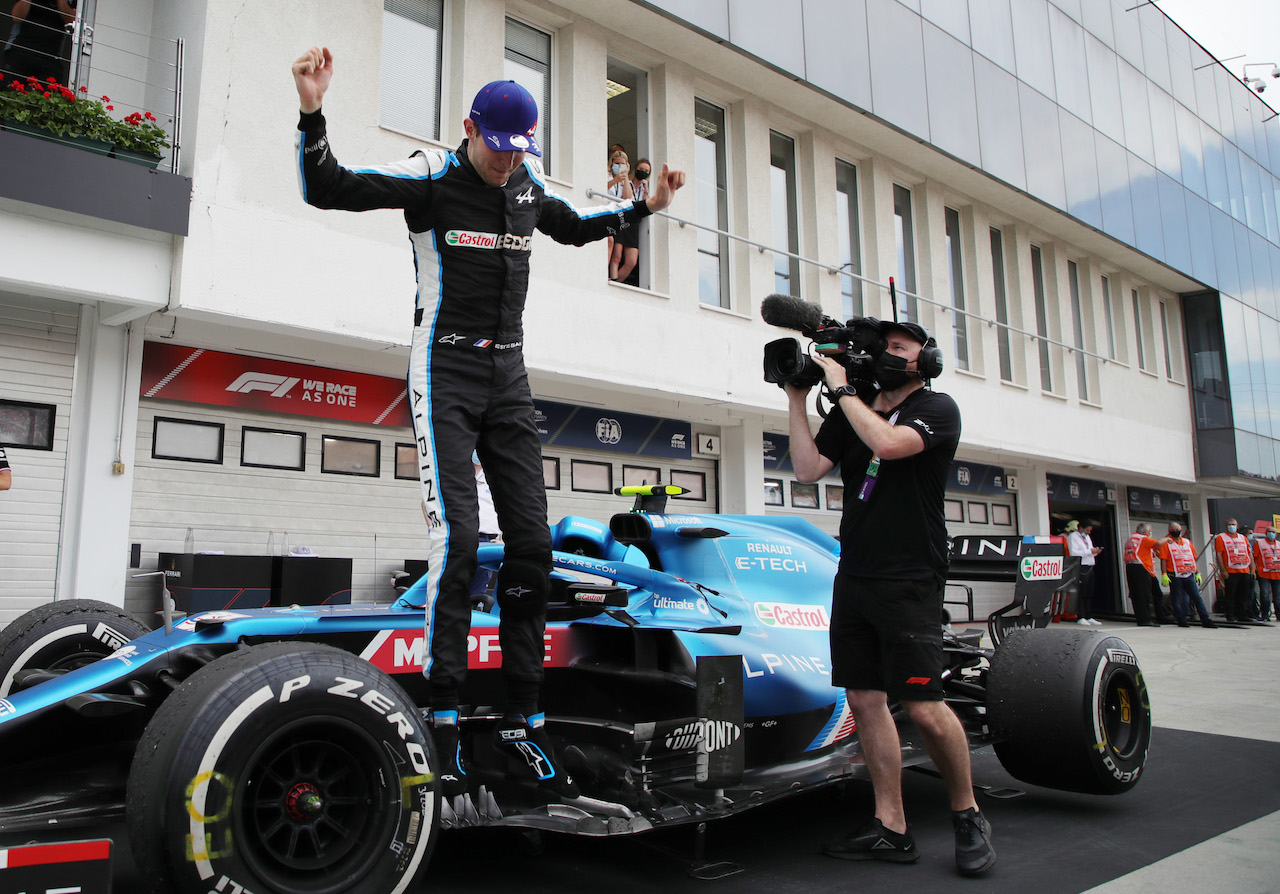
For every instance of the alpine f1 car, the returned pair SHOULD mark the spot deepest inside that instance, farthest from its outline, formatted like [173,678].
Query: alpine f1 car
[687,678]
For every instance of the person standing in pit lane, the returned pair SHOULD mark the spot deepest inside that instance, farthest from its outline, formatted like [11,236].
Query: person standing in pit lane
[1235,564]
[1139,570]
[1178,560]
[1266,558]
[471,215]
[886,607]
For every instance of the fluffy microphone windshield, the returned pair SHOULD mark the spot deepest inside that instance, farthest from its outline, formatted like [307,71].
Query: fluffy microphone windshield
[789,312]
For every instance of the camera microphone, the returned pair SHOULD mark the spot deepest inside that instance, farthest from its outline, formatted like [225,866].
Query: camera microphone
[790,312]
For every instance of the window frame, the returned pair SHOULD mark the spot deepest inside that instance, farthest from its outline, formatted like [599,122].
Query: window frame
[326,440]
[955,271]
[221,428]
[513,56]
[782,159]
[301,437]
[413,449]
[720,184]
[849,235]
[48,427]
[575,464]
[1041,302]
[1000,281]
[398,77]
[905,245]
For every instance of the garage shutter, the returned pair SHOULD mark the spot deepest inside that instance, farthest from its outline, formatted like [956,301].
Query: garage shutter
[37,359]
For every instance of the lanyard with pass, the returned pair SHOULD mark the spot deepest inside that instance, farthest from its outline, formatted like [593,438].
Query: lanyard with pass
[873,469]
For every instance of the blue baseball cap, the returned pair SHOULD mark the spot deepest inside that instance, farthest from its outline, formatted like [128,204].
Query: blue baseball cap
[507,116]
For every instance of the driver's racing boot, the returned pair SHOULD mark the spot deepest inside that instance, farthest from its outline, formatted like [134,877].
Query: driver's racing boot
[444,732]
[525,742]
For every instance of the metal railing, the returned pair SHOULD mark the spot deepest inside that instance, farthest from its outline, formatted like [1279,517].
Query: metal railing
[139,72]
[840,271]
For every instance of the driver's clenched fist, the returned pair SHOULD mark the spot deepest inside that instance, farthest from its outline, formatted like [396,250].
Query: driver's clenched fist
[312,72]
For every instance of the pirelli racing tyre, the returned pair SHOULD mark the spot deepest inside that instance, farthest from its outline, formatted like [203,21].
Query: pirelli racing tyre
[61,636]
[1070,710]
[286,768]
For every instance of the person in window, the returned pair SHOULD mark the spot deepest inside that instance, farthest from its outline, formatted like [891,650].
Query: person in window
[471,215]
[624,244]
[6,473]
[34,47]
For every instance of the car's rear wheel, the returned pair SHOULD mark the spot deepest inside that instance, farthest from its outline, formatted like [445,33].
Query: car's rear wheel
[290,768]
[61,636]
[1070,710]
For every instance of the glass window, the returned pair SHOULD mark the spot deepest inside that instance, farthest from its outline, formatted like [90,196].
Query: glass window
[978,514]
[835,497]
[265,448]
[1139,329]
[773,492]
[1042,318]
[350,456]
[412,56]
[1003,347]
[786,229]
[1070,74]
[955,270]
[1108,314]
[905,238]
[29,425]
[591,477]
[551,472]
[953,510]
[1001,515]
[849,237]
[710,162]
[1077,329]
[528,63]
[804,496]
[693,482]
[197,442]
[636,475]
[407,462]
[1168,344]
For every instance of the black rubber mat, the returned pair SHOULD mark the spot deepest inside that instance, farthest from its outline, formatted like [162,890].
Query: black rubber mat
[1196,787]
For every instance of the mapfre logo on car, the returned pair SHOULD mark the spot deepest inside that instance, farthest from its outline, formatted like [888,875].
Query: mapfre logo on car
[791,616]
[1041,567]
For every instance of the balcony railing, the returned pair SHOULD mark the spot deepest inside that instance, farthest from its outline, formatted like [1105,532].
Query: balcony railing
[140,73]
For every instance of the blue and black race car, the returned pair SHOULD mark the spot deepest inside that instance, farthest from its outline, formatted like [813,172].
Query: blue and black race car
[687,679]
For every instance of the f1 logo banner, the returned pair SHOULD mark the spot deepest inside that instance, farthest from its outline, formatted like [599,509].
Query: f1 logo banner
[199,376]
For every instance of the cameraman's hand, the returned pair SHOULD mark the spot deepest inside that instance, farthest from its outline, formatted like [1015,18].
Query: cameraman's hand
[833,373]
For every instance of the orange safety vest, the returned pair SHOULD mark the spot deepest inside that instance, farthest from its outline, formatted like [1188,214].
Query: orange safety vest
[1268,556]
[1236,547]
[1137,549]
[1182,555]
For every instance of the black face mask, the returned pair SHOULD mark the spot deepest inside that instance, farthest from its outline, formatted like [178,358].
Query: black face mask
[642,175]
[891,371]
[1176,535]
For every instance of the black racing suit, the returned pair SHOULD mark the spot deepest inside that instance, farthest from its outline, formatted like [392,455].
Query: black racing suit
[467,382]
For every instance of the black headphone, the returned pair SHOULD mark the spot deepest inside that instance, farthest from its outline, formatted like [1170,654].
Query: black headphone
[929,364]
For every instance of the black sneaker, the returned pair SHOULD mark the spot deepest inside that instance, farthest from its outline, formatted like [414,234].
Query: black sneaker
[444,732]
[874,842]
[974,853]
[525,742]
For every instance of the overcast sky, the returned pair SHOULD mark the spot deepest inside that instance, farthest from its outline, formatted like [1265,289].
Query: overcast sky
[1229,28]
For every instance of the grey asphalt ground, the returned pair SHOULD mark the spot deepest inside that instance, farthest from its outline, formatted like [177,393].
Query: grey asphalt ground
[1227,682]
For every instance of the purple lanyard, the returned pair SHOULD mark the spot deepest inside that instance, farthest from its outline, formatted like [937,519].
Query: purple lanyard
[873,469]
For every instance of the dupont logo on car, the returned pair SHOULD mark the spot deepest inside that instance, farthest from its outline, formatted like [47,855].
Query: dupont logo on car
[1041,567]
[714,734]
[791,616]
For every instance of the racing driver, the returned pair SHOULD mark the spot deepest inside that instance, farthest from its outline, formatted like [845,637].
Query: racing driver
[471,215]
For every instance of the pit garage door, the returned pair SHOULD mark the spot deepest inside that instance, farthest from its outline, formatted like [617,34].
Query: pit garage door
[38,340]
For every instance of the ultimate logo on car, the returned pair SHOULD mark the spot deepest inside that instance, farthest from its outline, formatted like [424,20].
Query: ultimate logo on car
[792,617]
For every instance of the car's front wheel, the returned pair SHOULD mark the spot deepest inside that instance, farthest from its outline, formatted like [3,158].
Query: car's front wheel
[61,636]
[288,768]
[1070,710]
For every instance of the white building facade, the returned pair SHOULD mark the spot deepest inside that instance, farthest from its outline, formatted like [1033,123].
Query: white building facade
[1071,194]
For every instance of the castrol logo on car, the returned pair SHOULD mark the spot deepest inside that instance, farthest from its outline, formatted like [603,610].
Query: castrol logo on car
[792,617]
[1041,567]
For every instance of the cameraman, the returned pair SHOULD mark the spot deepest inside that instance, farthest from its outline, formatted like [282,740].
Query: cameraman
[886,614]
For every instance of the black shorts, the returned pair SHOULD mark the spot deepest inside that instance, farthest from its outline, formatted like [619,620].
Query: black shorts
[886,635]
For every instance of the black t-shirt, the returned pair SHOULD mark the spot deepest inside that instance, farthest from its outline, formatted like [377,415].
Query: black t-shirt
[4,461]
[899,531]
